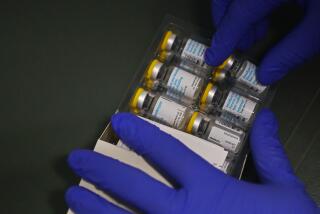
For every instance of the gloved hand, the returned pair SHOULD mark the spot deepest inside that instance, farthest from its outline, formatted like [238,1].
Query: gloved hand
[201,188]
[240,23]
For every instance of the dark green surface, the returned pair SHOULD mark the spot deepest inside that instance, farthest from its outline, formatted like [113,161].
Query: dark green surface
[64,69]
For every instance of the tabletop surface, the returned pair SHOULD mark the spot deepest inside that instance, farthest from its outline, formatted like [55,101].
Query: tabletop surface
[64,69]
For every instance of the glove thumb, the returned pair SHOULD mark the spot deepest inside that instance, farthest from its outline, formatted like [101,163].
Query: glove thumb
[269,156]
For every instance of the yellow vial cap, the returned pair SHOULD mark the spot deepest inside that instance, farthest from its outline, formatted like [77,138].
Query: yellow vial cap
[205,95]
[163,55]
[218,75]
[167,41]
[150,68]
[164,42]
[191,121]
[135,98]
[149,84]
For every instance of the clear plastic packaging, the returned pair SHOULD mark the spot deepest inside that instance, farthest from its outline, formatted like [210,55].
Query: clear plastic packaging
[226,101]
[173,81]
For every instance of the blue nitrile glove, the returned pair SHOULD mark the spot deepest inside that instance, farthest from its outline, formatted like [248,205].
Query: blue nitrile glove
[201,187]
[240,23]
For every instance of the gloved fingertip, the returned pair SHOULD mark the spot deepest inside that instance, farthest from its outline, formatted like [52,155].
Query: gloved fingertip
[210,57]
[266,117]
[267,77]
[265,124]
[217,53]
[122,120]
[283,57]
[81,200]
[78,158]
[72,194]
[116,120]
[129,127]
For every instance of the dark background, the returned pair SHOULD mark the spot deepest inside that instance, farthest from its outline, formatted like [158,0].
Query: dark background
[64,69]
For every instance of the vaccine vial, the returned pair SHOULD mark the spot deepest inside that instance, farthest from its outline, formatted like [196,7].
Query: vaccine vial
[186,49]
[170,57]
[239,71]
[234,107]
[175,82]
[216,130]
[161,109]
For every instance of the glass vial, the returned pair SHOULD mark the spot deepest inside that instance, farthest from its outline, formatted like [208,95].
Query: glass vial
[239,71]
[228,103]
[175,82]
[170,57]
[185,48]
[160,108]
[216,130]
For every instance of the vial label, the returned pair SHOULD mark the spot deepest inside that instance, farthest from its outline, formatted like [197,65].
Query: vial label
[182,84]
[169,112]
[248,77]
[194,52]
[224,138]
[239,106]
[227,126]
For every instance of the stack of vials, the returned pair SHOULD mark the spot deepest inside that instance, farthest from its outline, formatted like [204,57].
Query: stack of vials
[180,90]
